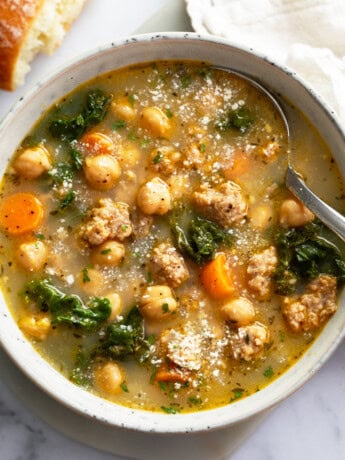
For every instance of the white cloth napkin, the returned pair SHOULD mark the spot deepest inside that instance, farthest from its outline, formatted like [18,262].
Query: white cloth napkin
[306,35]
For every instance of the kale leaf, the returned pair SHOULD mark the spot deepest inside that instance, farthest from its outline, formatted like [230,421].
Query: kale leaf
[304,253]
[82,372]
[240,119]
[68,309]
[201,239]
[126,338]
[69,128]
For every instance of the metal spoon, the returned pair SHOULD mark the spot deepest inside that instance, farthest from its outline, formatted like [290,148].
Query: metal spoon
[293,180]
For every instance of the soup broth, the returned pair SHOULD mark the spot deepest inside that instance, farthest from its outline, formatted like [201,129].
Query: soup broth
[149,248]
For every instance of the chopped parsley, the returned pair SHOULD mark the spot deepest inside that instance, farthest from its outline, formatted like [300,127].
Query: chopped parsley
[104,252]
[76,159]
[281,336]
[132,136]
[68,199]
[158,157]
[118,124]
[170,410]
[131,99]
[61,173]
[85,275]
[240,119]
[165,308]
[195,400]
[168,113]
[268,372]
[185,80]
[124,387]
[237,394]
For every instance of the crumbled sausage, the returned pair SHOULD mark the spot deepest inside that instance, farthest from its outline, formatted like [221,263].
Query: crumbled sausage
[182,348]
[249,341]
[169,265]
[226,204]
[110,220]
[193,157]
[308,311]
[260,269]
[165,159]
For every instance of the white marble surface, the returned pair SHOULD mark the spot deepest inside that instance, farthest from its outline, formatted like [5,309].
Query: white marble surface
[310,424]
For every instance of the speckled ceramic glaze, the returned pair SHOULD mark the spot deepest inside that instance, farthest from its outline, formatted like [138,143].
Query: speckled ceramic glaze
[142,49]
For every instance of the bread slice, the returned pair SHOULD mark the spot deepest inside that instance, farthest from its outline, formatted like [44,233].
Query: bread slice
[28,27]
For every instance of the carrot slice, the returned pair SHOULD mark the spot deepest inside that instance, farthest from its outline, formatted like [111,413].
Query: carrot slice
[217,279]
[97,143]
[242,163]
[21,213]
[171,375]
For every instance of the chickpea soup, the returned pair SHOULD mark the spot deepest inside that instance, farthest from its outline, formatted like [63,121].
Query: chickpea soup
[149,248]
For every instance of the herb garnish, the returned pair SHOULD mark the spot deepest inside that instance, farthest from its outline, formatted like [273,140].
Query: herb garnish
[124,387]
[104,252]
[68,199]
[85,275]
[268,372]
[237,394]
[170,410]
[240,119]
[118,124]
[158,157]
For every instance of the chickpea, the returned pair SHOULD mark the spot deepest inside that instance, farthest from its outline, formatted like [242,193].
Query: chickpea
[158,302]
[108,253]
[116,304]
[128,156]
[108,377]
[154,120]
[97,143]
[239,311]
[37,326]
[261,216]
[154,197]
[32,256]
[102,171]
[293,213]
[33,162]
[123,109]
[91,281]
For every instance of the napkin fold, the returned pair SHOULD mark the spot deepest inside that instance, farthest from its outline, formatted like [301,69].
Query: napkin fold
[306,35]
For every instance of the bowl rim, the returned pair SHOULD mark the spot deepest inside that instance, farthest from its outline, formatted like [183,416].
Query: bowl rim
[79,399]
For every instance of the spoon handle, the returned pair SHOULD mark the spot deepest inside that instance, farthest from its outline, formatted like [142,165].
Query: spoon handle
[331,218]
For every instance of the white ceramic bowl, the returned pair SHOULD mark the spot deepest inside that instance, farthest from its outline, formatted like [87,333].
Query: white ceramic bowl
[143,49]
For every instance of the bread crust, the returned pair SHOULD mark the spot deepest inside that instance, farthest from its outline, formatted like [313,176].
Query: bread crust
[16,18]
[28,27]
